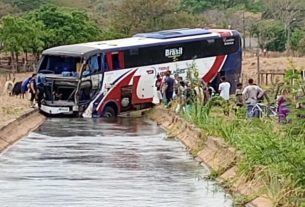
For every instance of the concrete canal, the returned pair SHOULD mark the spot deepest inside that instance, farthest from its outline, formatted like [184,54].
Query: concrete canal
[90,163]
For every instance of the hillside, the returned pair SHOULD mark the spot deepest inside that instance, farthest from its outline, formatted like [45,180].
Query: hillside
[26,5]
[83,4]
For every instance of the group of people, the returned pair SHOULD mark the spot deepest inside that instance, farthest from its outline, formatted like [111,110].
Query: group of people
[171,87]
[253,94]
[174,87]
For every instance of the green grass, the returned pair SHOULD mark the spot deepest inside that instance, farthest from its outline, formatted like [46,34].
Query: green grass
[265,145]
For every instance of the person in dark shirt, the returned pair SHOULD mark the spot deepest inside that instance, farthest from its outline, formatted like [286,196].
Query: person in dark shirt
[169,91]
[33,90]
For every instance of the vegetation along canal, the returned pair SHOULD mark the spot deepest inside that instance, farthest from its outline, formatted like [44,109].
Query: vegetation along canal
[85,162]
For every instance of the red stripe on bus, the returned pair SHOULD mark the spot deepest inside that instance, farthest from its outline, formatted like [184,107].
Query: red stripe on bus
[115,93]
[214,69]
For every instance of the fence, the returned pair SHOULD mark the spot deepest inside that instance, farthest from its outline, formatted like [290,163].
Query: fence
[23,65]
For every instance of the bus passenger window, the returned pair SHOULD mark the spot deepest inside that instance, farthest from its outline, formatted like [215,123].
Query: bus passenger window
[115,61]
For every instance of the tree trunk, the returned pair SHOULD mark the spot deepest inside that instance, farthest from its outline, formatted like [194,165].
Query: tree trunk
[12,62]
[17,68]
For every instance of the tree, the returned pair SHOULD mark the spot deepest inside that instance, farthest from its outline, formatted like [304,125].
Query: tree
[13,35]
[297,41]
[35,33]
[290,12]
[6,9]
[134,16]
[64,26]
[21,35]
[196,5]
[270,34]
[202,5]
[286,11]
[26,5]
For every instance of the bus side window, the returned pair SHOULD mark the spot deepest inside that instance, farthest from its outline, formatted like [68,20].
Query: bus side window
[105,66]
[115,60]
[93,66]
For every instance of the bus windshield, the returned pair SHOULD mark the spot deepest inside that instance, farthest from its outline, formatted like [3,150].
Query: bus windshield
[59,64]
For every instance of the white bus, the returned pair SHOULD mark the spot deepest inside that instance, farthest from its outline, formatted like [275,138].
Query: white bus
[109,77]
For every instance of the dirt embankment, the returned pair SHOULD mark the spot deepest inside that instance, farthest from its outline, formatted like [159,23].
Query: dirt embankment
[19,127]
[214,153]
[12,107]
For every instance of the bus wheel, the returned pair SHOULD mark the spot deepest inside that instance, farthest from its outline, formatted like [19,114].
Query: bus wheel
[126,103]
[109,112]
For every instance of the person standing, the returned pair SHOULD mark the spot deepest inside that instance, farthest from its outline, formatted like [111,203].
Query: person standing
[169,90]
[224,92]
[158,95]
[239,95]
[283,110]
[224,89]
[25,86]
[33,90]
[251,94]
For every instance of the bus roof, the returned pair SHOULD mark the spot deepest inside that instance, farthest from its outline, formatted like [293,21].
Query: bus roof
[138,40]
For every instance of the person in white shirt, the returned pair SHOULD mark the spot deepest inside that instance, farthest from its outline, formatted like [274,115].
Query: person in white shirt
[251,94]
[224,92]
[224,89]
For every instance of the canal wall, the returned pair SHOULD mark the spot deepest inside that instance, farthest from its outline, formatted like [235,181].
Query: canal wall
[214,153]
[19,127]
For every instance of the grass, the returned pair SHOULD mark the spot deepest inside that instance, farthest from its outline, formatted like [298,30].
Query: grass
[278,151]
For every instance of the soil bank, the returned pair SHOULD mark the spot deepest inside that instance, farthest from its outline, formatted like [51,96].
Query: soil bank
[214,153]
[19,127]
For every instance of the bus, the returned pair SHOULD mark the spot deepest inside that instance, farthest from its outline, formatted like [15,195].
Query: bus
[109,77]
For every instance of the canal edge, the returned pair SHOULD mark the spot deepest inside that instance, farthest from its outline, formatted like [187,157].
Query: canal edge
[213,153]
[17,128]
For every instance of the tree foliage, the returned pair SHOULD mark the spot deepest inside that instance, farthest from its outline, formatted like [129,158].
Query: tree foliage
[286,11]
[297,41]
[26,5]
[270,34]
[6,9]
[201,5]
[44,28]
[64,26]
[21,35]
[148,15]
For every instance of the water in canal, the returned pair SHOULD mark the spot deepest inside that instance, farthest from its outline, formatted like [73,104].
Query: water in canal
[98,163]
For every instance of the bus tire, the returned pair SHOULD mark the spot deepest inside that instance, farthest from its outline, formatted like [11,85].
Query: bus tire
[109,112]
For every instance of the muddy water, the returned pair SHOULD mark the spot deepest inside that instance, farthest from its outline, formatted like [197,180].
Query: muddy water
[92,163]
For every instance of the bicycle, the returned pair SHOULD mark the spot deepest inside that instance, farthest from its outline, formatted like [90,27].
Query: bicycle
[261,110]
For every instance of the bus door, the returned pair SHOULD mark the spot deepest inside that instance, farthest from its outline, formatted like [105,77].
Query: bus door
[91,78]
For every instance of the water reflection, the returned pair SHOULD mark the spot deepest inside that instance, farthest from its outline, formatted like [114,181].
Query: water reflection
[87,162]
